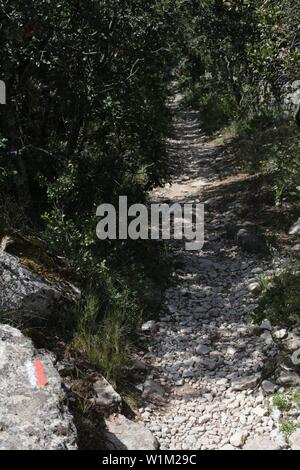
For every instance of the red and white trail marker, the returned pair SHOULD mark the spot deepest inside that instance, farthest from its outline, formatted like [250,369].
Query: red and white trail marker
[36,373]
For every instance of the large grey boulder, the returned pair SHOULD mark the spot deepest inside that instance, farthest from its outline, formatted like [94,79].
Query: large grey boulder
[123,434]
[32,410]
[26,295]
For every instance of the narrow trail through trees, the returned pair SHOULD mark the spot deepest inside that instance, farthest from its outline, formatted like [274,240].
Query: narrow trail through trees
[206,355]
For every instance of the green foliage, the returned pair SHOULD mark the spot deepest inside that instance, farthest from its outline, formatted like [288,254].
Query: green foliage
[289,427]
[5,170]
[240,57]
[287,402]
[216,107]
[86,122]
[284,164]
[280,300]
[106,323]
[264,282]
[268,143]
[281,402]
[247,51]
[262,120]
[2,143]
[88,104]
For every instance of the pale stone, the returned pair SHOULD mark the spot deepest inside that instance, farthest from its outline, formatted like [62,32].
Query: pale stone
[292,342]
[123,434]
[152,388]
[254,288]
[150,327]
[280,334]
[260,411]
[261,443]
[238,439]
[295,228]
[106,396]
[279,438]
[227,447]
[294,440]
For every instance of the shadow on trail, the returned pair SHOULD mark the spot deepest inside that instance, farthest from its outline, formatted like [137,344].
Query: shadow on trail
[208,302]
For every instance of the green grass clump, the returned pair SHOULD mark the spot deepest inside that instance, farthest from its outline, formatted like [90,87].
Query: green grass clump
[105,338]
[286,402]
[280,300]
[289,427]
[281,402]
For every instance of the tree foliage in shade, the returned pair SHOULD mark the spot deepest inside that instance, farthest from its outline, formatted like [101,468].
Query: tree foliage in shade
[86,81]
[86,120]
[248,48]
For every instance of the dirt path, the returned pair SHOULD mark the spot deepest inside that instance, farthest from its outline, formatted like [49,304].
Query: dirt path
[206,355]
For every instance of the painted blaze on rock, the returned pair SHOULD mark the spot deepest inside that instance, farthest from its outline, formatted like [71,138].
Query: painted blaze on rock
[33,415]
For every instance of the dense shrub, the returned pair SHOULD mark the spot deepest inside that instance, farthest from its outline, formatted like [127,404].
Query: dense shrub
[217,108]
[87,118]
[280,300]
[86,82]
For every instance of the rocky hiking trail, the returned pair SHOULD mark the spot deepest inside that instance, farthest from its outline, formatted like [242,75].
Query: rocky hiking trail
[209,384]
[209,374]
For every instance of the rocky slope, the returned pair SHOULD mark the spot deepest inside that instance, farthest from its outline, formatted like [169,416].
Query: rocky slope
[34,413]
[34,409]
